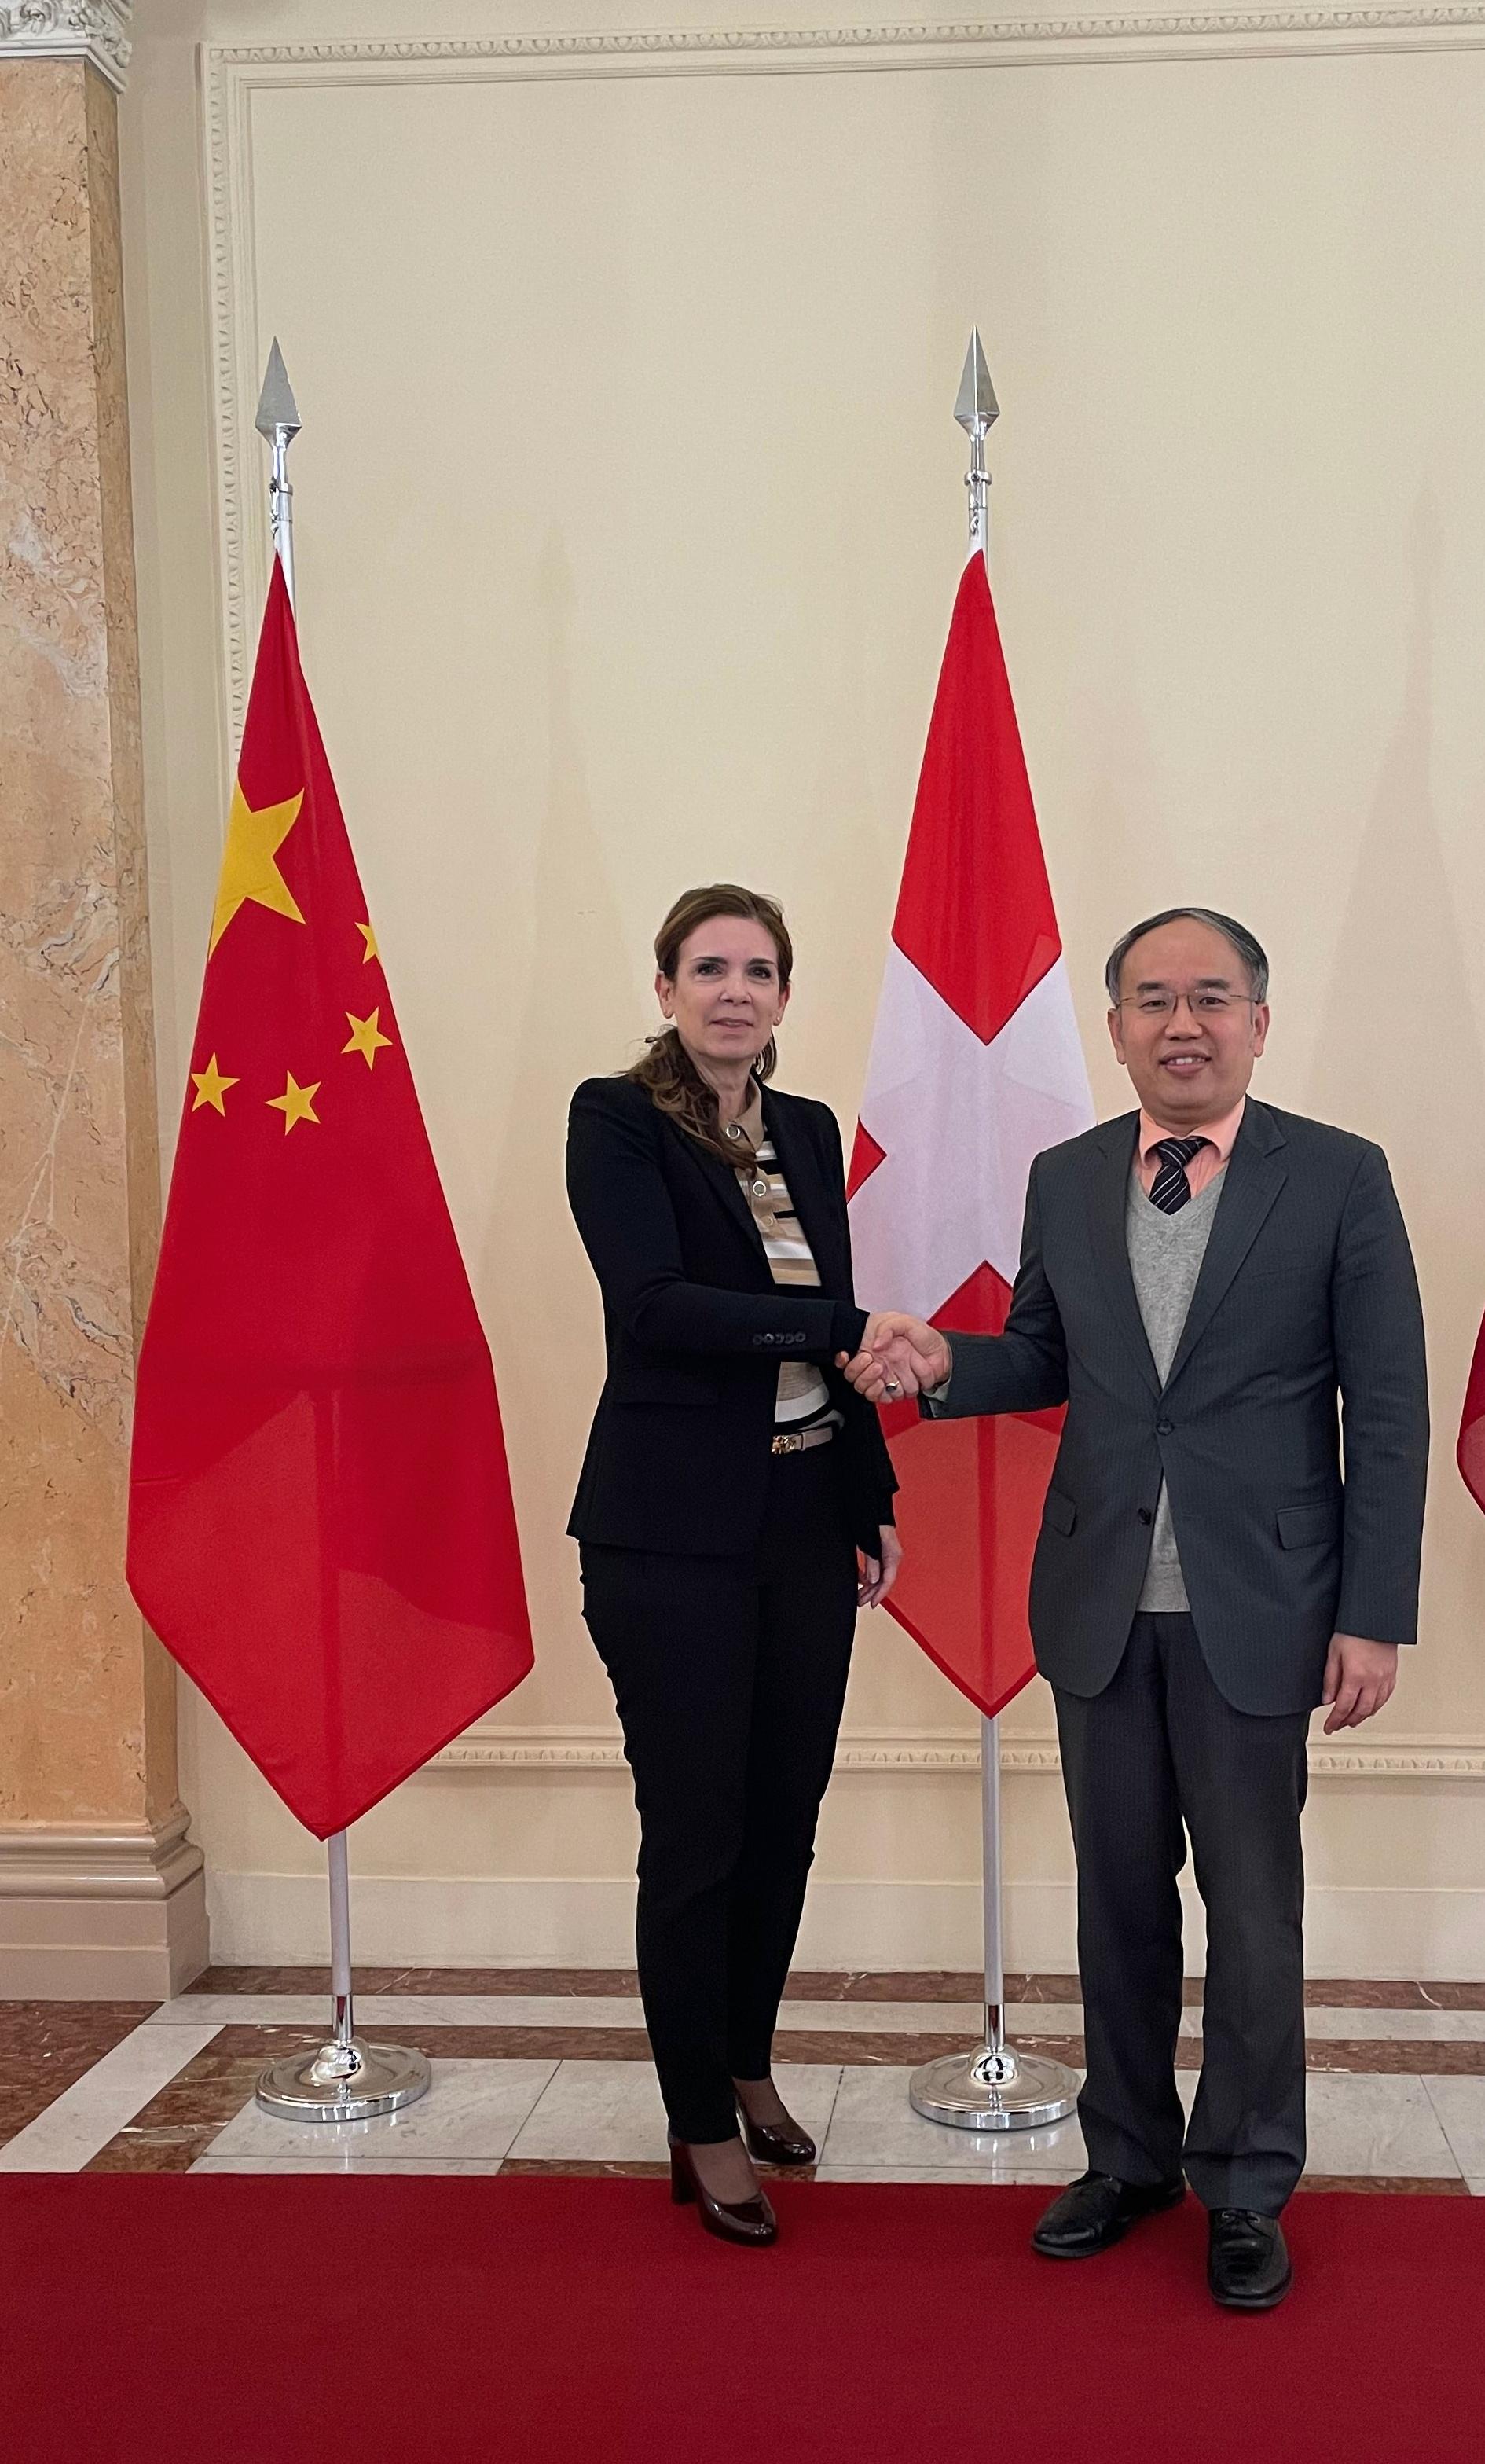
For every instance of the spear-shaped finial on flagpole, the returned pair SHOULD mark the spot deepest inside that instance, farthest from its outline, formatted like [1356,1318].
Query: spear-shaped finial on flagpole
[976,408]
[346,2080]
[994,2087]
[278,420]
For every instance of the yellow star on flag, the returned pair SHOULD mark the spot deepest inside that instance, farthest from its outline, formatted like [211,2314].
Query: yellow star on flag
[366,1037]
[211,1087]
[370,951]
[249,865]
[296,1103]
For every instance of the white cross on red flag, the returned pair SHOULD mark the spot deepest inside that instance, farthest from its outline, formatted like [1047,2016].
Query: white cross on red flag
[975,1066]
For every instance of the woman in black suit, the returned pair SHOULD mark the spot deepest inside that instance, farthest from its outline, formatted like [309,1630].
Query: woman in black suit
[734,1509]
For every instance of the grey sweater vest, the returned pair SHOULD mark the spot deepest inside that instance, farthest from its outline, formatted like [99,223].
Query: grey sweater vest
[1165,1252]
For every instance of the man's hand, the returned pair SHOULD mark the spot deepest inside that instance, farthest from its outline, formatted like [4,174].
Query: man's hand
[1359,1679]
[900,1355]
[878,1575]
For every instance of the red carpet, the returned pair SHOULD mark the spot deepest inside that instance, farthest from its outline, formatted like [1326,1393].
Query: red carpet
[240,2320]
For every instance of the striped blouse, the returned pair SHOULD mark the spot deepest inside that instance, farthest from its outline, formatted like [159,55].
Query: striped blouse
[803,1396]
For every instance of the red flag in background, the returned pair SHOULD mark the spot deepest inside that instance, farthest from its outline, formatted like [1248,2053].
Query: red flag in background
[975,1066]
[1471,1426]
[320,1526]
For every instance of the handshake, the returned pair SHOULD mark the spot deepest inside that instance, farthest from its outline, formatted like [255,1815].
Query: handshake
[900,1357]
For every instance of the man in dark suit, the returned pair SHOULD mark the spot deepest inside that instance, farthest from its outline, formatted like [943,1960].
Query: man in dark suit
[1200,1280]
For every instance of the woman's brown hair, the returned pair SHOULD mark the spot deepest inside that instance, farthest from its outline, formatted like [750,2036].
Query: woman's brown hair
[674,1084]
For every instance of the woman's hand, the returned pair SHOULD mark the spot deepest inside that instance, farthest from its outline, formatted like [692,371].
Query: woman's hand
[878,1575]
[900,1357]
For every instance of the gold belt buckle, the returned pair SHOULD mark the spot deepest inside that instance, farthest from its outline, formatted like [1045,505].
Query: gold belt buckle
[789,1445]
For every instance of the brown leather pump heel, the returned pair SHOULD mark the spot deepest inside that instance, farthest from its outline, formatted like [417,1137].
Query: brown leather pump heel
[773,2143]
[752,2222]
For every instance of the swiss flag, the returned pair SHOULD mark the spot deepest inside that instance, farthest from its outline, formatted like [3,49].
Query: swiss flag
[975,1067]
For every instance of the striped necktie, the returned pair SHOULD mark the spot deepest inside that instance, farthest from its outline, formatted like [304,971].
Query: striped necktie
[1171,1190]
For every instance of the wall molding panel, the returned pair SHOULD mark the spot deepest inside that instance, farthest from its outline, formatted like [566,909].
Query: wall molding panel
[712,50]
[630,512]
[232,73]
[934,1752]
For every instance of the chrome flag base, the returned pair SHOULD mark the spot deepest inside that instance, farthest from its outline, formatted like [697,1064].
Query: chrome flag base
[344,2082]
[345,2079]
[993,2089]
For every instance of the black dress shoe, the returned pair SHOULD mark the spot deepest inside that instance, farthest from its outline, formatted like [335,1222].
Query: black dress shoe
[1094,2214]
[1247,2263]
[777,2143]
[750,2221]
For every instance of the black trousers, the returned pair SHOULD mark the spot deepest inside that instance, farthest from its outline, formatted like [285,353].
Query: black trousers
[730,1676]
[1159,1748]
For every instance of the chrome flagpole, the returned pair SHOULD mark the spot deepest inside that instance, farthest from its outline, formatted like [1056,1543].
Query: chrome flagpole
[345,2079]
[994,2087]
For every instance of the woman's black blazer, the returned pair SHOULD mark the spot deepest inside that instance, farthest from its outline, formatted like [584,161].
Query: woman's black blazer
[678,1458]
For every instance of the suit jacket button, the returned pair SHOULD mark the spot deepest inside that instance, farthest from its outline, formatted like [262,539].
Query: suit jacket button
[1146,1515]
[1164,1428]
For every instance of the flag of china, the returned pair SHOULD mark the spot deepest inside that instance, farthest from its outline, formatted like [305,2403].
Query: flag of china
[320,1526]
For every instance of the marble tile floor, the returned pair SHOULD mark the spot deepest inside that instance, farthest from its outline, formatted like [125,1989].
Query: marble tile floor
[65,2133]
[45,2046]
[888,2018]
[543,2070]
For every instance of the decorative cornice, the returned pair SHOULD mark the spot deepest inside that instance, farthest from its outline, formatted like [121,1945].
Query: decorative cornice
[935,1752]
[70,30]
[1332,22]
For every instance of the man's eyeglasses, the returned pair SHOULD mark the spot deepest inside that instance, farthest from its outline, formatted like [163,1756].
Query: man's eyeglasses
[1208,1003]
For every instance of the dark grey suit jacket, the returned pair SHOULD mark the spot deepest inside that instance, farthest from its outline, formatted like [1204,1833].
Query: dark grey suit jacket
[1306,1293]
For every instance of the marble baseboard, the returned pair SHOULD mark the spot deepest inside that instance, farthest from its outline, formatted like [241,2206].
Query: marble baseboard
[90,1916]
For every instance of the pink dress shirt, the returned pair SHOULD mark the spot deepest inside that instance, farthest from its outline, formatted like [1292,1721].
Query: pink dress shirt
[1206,1164]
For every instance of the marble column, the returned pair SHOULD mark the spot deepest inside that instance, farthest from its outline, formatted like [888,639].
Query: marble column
[102,1895]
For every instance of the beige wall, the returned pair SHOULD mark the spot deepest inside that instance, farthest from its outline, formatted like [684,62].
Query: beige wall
[629,515]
